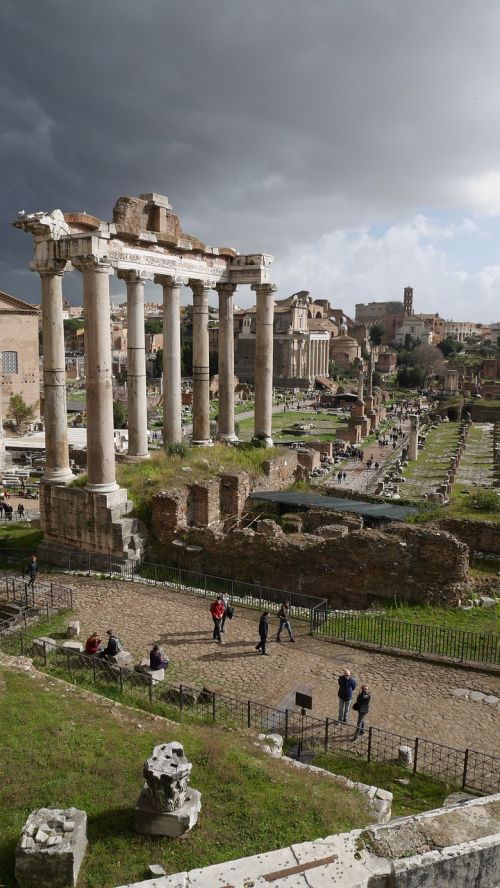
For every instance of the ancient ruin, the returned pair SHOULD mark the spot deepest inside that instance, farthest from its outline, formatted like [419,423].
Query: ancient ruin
[144,242]
[51,848]
[167,805]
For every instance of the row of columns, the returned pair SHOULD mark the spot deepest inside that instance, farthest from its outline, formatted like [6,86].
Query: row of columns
[98,367]
[318,357]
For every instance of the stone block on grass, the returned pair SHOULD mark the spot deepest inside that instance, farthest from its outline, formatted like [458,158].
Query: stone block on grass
[51,848]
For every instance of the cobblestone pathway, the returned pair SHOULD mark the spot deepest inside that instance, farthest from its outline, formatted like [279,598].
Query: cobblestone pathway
[362,479]
[476,465]
[409,697]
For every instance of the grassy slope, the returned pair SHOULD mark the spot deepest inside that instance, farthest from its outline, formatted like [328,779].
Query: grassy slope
[90,755]
[18,535]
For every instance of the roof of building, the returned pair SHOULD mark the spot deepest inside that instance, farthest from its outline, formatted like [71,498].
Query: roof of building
[15,306]
[380,511]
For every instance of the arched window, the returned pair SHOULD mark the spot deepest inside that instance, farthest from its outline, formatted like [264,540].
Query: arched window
[9,362]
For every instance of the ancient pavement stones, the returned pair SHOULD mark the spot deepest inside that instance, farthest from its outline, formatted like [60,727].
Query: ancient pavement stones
[167,805]
[51,848]
[476,696]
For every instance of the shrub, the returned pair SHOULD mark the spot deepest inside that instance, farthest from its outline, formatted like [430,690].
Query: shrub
[178,449]
[485,501]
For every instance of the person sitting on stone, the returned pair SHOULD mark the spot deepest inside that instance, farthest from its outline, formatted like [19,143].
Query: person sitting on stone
[113,646]
[158,658]
[93,644]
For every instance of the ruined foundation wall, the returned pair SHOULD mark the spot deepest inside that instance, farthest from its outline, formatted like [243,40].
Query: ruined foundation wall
[411,563]
[479,536]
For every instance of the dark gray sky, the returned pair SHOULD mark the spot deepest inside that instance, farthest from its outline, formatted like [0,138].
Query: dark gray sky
[356,140]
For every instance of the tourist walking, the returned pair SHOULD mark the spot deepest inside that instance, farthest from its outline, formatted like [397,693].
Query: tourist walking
[263,633]
[284,618]
[361,706]
[347,684]
[32,570]
[217,611]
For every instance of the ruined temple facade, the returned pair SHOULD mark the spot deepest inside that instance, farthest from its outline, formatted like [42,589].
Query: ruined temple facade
[144,241]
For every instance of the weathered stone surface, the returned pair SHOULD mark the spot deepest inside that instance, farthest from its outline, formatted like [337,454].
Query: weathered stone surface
[51,849]
[477,696]
[73,646]
[480,536]
[167,806]
[464,693]
[405,755]
[73,630]
[123,659]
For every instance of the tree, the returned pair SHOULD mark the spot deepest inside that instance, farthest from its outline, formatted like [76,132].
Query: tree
[119,415]
[428,358]
[73,324]
[376,333]
[449,346]
[411,377]
[20,411]
[153,325]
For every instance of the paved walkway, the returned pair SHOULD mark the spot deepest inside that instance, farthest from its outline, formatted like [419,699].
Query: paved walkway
[409,697]
[476,465]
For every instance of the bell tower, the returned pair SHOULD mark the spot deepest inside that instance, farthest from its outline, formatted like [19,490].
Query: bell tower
[408,300]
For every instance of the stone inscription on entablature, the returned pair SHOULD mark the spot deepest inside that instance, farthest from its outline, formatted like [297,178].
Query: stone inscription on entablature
[174,265]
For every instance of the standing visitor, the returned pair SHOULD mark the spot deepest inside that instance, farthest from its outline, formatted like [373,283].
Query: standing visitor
[217,611]
[284,618]
[347,684]
[32,570]
[361,706]
[263,633]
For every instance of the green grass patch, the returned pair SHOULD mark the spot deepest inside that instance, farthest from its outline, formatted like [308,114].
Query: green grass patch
[19,535]
[462,505]
[481,619]
[85,754]
[422,793]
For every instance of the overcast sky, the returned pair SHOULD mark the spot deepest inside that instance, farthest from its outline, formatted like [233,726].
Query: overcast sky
[358,141]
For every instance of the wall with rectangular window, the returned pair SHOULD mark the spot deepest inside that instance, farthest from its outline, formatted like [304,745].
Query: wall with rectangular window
[9,362]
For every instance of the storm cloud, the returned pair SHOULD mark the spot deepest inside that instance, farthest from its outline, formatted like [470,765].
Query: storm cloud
[276,125]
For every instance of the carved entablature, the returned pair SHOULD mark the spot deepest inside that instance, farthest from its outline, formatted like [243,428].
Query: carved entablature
[145,237]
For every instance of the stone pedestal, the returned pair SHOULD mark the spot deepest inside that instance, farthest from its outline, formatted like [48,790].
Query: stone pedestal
[51,849]
[148,821]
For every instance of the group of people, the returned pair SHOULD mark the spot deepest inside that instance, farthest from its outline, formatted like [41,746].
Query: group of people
[347,686]
[94,645]
[221,610]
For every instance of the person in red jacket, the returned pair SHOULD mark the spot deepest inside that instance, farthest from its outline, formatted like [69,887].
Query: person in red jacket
[93,644]
[217,609]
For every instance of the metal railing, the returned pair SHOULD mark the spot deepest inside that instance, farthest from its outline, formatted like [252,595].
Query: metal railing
[468,769]
[457,644]
[22,593]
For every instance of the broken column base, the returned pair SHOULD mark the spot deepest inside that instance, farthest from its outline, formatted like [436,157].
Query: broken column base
[51,849]
[150,822]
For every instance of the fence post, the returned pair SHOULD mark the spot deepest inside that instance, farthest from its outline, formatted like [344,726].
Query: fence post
[68,665]
[44,653]
[51,594]
[213,707]
[180,698]
[327,725]
[345,625]
[369,751]
[462,647]
[47,606]
[120,674]
[415,756]
[464,775]
[249,714]
[286,725]
[150,692]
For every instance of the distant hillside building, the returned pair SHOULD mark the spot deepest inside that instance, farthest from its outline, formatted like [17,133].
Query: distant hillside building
[19,367]
[413,326]
[460,330]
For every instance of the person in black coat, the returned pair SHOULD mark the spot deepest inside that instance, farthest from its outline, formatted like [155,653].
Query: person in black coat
[361,706]
[263,633]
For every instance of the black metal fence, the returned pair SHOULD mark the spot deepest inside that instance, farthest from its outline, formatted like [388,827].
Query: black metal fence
[469,768]
[457,644]
[22,593]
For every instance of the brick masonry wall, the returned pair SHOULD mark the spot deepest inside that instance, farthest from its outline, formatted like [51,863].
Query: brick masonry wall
[412,563]
[480,536]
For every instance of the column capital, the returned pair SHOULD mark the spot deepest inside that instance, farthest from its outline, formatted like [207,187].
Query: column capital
[171,280]
[269,288]
[226,289]
[199,287]
[91,262]
[134,276]
[50,267]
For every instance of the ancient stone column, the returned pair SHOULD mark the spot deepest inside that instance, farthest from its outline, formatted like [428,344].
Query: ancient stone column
[413,438]
[98,373]
[369,378]
[57,469]
[172,399]
[136,366]
[226,363]
[201,370]
[264,362]
[360,386]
